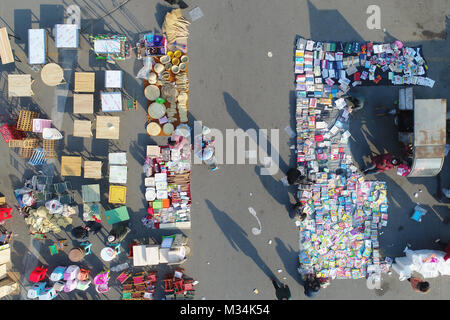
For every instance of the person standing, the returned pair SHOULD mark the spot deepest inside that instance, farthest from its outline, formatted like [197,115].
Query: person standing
[294,176]
[381,163]
[282,292]
[419,285]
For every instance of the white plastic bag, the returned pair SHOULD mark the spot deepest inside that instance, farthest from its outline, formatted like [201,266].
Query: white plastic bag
[144,72]
[54,206]
[403,272]
[51,134]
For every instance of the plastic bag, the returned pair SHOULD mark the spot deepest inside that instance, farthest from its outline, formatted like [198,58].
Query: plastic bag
[54,206]
[403,272]
[144,72]
[27,199]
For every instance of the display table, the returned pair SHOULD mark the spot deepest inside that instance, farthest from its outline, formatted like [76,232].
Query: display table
[84,82]
[111,101]
[36,46]
[70,166]
[107,127]
[91,193]
[82,128]
[66,36]
[117,215]
[117,158]
[145,255]
[113,79]
[19,85]
[117,194]
[52,74]
[83,103]
[118,174]
[5,47]
[92,169]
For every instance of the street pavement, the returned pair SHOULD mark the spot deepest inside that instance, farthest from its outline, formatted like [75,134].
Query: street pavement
[234,83]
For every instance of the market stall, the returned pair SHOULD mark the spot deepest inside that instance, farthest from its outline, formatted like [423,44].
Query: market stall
[339,239]
[167,183]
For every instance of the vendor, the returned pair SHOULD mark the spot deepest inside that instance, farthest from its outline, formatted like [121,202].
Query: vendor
[381,163]
[294,176]
[178,142]
[354,104]
[297,212]
[312,286]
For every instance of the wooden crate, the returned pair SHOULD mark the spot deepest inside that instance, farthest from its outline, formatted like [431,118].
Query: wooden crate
[49,147]
[25,121]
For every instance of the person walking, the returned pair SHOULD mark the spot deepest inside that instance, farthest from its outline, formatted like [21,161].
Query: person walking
[419,285]
[381,163]
[282,292]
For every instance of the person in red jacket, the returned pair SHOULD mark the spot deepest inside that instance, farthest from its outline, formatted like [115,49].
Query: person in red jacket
[381,163]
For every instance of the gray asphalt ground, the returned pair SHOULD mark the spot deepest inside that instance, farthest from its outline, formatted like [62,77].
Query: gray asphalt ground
[234,84]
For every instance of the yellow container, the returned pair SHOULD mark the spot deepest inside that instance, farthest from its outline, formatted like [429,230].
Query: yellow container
[175,61]
[170,54]
[177,54]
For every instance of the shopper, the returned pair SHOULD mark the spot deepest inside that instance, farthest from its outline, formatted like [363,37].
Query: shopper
[419,285]
[294,176]
[282,292]
[312,286]
[381,163]
[93,226]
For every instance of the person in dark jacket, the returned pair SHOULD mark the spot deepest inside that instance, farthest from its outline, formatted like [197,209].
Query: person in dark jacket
[80,233]
[181,3]
[294,176]
[312,286]
[381,163]
[282,292]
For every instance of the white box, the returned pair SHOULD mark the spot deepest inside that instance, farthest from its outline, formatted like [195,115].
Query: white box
[107,46]
[36,46]
[113,79]
[66,36]
[117,158]
[111,101]
[117,174]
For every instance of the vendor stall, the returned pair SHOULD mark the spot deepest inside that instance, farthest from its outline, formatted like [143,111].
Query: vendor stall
[111,48]
[167,185]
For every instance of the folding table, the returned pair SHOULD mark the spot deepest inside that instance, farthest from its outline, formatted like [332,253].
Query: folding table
[92,169]
[36,46]
[113,79]
[70,166]
[19,85]
[66,36]
[117,158]
[117,215]
[117,174]
[107,127]
[5,47]
[117,194]
[83,103]
[84,82]
[82,128]
[111,101]
[90,192]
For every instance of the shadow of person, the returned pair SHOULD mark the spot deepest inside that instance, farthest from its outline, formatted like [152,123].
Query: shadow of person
[289,257]
[238,238]
[245,122]
[276,189]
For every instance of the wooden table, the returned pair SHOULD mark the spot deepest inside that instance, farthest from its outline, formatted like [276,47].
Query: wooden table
[82,128]
[71,166]
[52,74]
[83,103]
[107,127]
[84,81]
[19,85]
[93,169]
[76,254]
[5,47]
